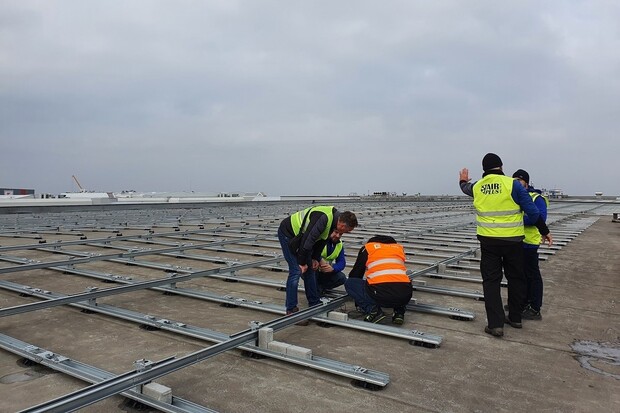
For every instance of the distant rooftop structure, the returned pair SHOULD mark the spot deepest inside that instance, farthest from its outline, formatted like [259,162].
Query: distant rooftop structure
[17,192]
[86,195]
[553,193]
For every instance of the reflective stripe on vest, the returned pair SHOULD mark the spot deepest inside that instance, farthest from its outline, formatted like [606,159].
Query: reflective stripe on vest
[386,273]
[298,217]
[386,263]
[335,253]
[497,214]
[532,235]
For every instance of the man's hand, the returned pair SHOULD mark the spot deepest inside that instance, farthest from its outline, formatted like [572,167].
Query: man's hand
[303,268]
[547,238]
[464,175]
[315,265]
[325,267]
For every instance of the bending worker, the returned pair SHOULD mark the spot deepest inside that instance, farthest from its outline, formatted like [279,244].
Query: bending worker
[382,261]
[303,236]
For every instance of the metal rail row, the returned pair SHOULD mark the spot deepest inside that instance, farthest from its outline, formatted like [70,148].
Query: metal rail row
[443,233]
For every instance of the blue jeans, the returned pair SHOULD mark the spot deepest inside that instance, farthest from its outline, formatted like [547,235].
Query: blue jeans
[356,288]
[330,280]
[294,273]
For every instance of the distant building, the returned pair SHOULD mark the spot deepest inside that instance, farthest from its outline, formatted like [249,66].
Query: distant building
[553,193]
[17,192]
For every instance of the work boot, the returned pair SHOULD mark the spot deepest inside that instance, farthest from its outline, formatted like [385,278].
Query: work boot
[375,316]
[530,314]
[398,318]
[495,332]
[291,311]
[513,324]
[299,323]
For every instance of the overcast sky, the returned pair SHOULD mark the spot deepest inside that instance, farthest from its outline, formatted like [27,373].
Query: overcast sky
[307,97]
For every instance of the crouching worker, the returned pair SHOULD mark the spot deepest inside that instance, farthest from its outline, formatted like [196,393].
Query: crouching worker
[382,260]
[329,274]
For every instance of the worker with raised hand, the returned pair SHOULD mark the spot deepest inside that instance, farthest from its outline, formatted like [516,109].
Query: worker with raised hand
[500,203]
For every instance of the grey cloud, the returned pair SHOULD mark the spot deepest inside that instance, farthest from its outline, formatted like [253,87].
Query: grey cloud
[278,96]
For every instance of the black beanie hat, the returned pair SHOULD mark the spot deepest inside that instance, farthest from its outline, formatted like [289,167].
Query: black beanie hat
[521,174]
[491,161]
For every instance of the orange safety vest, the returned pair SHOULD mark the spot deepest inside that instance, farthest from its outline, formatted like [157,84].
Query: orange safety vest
[385,264]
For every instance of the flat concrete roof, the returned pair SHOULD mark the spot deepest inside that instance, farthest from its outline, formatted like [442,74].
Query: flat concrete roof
[567,362]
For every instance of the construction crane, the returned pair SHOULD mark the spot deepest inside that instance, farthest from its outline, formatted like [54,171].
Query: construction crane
[78,183]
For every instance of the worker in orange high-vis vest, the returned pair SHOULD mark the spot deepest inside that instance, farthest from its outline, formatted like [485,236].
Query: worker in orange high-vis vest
[379,279]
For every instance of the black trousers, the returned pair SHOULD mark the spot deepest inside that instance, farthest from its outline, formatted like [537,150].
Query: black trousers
[509,259]
[533,278]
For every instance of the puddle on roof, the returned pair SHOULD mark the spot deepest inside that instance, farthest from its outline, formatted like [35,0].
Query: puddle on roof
[601,358]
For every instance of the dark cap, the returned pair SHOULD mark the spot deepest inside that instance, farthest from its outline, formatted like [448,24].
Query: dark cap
[521,174]
[491,161]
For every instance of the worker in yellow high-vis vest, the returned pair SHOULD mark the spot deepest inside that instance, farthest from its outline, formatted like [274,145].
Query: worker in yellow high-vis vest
[302,237]
[330,273]
[500,203]
[533,239]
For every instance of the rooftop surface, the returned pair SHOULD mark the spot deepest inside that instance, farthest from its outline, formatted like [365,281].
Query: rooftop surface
[440,360]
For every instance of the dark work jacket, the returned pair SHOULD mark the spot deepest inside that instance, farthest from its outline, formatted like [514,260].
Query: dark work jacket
[310,242]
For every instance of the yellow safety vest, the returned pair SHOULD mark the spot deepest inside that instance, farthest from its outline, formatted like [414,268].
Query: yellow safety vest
[532,235]
[497,214]
[335,253]
[298,217]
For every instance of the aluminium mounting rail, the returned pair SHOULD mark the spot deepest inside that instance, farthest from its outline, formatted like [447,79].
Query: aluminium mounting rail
[92,374]
[54,299]
[217,232]
[127,288]
[452,312]
[118,237]
[318,363]
[107,388]
[421,253]
[459,292]
[34,264]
